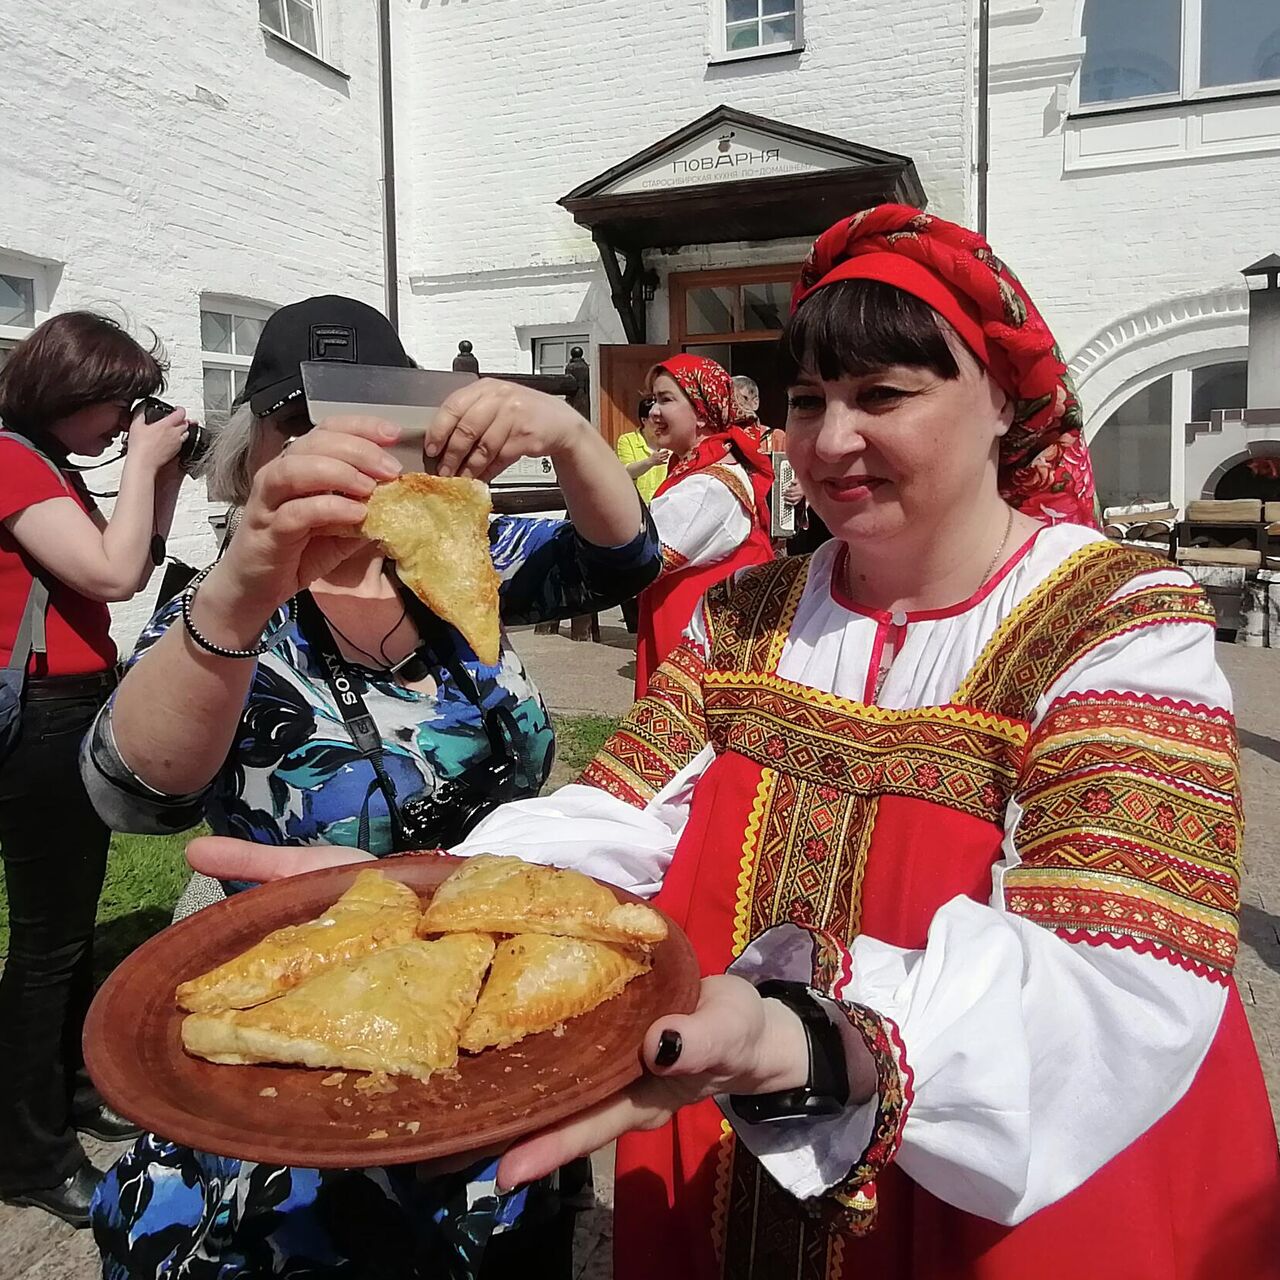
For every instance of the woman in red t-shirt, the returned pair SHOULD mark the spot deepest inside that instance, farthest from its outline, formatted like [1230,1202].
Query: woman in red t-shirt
[67,389]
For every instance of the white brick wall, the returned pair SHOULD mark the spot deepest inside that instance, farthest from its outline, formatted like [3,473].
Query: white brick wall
[158,150]
[504,107]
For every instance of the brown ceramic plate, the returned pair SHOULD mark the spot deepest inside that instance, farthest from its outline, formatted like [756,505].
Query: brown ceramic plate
[134,1051]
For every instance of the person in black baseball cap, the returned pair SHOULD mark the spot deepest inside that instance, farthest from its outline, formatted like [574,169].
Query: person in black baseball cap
[229,716]
[329,327]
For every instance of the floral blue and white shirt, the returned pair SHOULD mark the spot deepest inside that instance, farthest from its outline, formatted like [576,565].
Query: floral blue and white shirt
[294,777]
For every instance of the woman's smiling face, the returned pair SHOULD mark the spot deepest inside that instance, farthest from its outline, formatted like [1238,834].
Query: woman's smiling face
[897,449]
[675,421]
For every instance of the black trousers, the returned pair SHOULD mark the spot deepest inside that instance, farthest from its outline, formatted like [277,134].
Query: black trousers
[54,848]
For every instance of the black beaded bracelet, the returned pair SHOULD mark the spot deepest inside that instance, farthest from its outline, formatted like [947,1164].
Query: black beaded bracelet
[208,645]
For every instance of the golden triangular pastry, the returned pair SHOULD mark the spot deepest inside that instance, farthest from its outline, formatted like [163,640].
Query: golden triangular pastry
[398,1010]
[436,529]
[538,981]
[375,912]
[493,894]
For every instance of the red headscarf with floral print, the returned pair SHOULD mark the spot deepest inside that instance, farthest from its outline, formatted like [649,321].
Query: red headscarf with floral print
[709,388]
[1044,466]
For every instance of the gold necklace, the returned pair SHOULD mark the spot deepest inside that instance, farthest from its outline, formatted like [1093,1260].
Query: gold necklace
[995,559]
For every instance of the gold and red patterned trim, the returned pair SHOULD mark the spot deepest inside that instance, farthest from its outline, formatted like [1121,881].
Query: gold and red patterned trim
[750,615]
[954,756]
[734,484]
[853,1200]
[1145,607]
[659,736]
[672,560]
[1131,827]
[1039,638]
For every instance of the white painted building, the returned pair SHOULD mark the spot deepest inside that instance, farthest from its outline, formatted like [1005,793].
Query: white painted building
[187,170]
[1135,172]
[171,160]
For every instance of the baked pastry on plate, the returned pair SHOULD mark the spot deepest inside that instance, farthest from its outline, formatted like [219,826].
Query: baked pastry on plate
[374,912]
[494,894]
[398,1010]
[538,981]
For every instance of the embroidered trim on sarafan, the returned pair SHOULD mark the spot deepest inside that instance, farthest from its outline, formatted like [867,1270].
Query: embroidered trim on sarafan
[751,614]
[735,486]
[659,736]
[952,756]
[1039,639]
[1131,828]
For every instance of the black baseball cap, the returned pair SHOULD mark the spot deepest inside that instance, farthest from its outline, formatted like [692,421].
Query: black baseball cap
[325,328]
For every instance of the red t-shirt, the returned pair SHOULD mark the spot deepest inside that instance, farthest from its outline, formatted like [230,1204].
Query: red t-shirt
[77,629]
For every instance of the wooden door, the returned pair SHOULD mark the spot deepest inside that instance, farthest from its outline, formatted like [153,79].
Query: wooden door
[623,367]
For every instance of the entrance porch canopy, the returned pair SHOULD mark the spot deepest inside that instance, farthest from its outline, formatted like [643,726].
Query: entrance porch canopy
[728,175]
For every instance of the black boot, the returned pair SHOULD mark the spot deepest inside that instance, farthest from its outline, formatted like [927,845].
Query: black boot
[102,1122]
[69,1200]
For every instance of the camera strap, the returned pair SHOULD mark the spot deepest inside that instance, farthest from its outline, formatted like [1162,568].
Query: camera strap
[349,699]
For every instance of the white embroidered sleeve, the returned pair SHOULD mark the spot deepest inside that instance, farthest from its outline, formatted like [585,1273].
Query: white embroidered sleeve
[1037,1035]
[699,521]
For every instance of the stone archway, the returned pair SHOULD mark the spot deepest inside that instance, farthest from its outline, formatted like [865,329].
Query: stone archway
[1235,470]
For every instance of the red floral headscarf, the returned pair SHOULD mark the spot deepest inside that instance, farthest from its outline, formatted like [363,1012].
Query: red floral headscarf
[1044,466]
[709,388]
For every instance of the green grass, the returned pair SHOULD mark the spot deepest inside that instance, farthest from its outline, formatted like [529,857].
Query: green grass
[146,874]
[578,738]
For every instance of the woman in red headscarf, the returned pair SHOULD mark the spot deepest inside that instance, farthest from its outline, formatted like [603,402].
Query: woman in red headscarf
[956,802]
[711,512]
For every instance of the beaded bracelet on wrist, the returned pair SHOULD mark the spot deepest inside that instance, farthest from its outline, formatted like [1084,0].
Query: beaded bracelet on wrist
[221,651]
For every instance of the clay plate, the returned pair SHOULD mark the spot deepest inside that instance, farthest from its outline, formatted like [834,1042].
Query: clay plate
[134,1051]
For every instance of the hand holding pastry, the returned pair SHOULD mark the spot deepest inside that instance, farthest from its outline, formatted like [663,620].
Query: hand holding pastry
[486,426]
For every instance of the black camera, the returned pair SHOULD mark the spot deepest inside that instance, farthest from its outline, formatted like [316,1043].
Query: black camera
[446,816]
[194,447]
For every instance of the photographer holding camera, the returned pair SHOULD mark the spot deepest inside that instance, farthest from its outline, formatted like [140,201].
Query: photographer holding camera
[70,388]
[299,695]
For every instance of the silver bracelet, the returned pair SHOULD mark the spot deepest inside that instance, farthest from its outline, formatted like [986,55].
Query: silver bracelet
[219,651]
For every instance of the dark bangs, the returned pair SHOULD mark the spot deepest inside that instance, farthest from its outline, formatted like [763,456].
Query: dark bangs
[72,361]
[857,327]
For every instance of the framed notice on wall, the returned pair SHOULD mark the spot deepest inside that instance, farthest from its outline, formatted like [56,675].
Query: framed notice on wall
[782,514]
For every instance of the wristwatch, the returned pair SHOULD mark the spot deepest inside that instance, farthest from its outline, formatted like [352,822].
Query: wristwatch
[826,1091]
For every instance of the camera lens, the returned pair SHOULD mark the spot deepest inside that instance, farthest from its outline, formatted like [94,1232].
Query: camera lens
[194,447]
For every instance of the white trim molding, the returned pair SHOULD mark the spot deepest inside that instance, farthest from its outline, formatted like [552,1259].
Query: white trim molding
[1198,313]
[1049,64]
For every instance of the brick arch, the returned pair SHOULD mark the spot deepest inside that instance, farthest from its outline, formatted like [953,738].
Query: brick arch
[1255,449]
[1135,349]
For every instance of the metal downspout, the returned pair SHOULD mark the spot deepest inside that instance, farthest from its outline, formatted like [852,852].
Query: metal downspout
[983,148]
[391,265]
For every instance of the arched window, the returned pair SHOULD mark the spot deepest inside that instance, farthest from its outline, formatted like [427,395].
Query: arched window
[1132,49]
[1152,49]
[1132,449]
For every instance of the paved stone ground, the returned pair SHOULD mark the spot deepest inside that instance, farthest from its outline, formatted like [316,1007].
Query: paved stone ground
[584,677]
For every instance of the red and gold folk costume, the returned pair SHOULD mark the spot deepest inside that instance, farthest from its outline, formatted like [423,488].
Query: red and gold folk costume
[711,512]
[1010,859]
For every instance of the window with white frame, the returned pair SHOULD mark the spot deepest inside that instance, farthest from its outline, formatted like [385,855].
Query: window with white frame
[760,25]
[296,20]
[550,355]
[1148,50]
[23,301]
[229,334]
